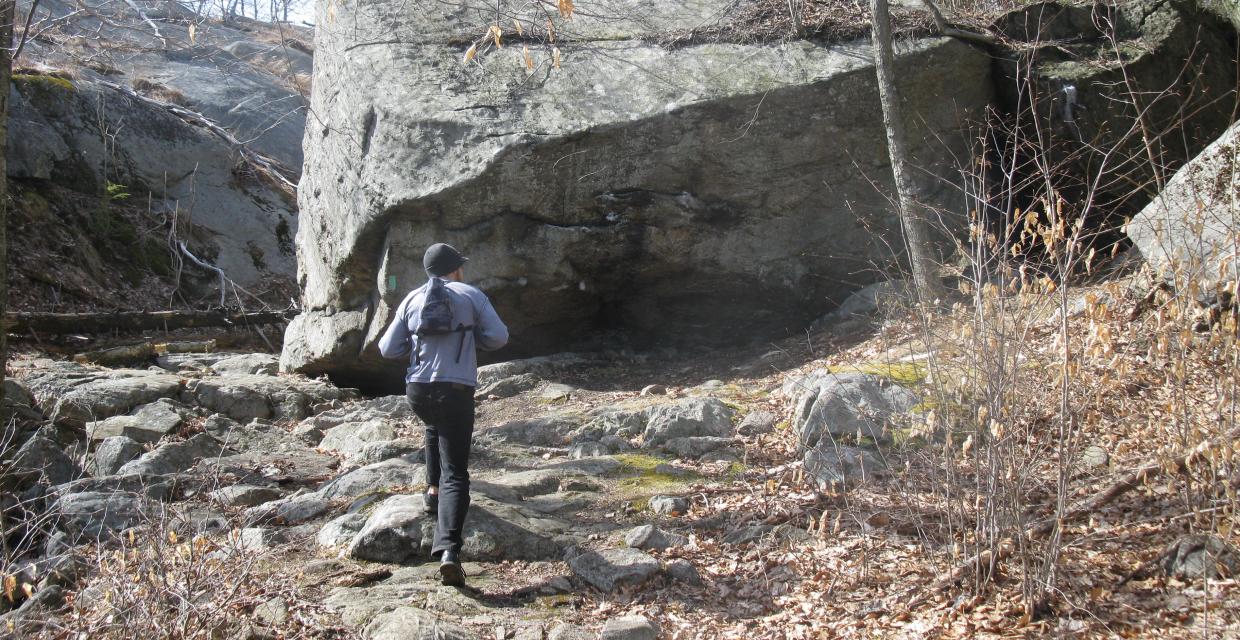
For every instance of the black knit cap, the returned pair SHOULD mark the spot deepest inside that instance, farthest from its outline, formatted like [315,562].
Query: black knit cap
[441,259]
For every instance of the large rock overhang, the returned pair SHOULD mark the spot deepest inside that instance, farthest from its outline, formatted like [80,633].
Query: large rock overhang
[716,193]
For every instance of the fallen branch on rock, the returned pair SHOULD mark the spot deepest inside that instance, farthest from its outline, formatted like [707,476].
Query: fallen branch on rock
[66,323]
[280,175]
[945,28]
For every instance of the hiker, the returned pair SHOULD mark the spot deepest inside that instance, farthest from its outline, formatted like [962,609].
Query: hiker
[438,326]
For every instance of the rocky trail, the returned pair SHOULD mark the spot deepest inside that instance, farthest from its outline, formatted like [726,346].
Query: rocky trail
[585,486]
[785,490]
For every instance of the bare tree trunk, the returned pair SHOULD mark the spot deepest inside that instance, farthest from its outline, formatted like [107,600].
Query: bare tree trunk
[916,234]
[8,10]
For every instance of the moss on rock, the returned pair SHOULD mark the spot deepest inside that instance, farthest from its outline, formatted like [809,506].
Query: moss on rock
[905,373]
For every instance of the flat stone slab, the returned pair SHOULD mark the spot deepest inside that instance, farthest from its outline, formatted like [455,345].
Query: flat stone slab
[244,495]
[398,530]
[405,471]
[147,423]
[244,397]
[651,537]
[248,363]
[74,394]
[94,514]
[612,569]
[351,438]
[174,457]
[409,623]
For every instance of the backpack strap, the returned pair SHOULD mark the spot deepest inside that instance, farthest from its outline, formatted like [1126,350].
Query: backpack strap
[461,349]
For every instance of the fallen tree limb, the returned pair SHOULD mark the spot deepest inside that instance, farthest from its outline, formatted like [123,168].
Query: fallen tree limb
[1089,505]
[945,28]
[281,175]
[66,323]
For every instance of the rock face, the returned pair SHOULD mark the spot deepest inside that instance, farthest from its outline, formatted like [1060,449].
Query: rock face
[156,152]
[635,187]
[1190,228]
[92,132]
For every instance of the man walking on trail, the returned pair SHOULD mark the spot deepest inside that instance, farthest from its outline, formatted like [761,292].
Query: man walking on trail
[438,326]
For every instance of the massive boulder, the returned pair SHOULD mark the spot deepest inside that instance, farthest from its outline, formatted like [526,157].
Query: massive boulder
[709,192]
[1188,231]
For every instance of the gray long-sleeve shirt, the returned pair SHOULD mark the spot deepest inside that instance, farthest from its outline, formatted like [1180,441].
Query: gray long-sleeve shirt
[434,358]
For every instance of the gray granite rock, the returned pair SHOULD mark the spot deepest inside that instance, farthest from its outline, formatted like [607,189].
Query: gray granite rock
[650,537]
[1200,557]
[541,366]
[612,569]
[392,533]
[250,363]
[409,623]
[90,515]
[669,505]
[221,426]
[556,392]
[630,628]
[350,438]
[547,431]
[615,421]
[173,457]
[294,509]
[565,631]
[261,538]
[852,405]
[682,570]
[398,530]
[74,394]
[695,447]
[395,472]
[147,423]
[587,450]
[375,452]
[394,408]
[835,467]
[273,612]
[552,268]
[244,495]
[756,422]
[41,457]
[688,418]
[510,386]
[1189,229]
[341,530]
[162,488]
[245,397]
[113,453]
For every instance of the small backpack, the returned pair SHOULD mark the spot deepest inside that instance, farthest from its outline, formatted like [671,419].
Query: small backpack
[436,317]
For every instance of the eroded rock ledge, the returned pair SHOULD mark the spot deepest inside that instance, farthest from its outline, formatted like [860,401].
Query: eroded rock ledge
[714,193]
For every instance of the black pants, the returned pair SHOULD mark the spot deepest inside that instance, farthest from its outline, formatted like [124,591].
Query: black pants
[447,409]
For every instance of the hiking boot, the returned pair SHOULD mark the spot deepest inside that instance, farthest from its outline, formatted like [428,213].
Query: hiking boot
[450,572]
[431,502]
